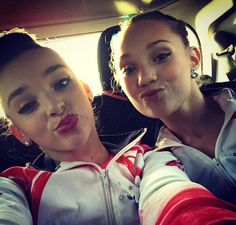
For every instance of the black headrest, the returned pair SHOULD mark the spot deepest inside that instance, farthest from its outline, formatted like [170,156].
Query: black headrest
[225,39]
[103,55]
[211,89]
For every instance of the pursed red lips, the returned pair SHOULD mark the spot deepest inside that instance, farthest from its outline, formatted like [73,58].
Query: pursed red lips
[67,124]
[150,93]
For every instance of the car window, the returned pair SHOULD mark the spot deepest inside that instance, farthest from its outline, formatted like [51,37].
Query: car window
[80,52]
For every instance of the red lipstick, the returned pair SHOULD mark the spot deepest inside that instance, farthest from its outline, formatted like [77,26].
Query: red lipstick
[67,124]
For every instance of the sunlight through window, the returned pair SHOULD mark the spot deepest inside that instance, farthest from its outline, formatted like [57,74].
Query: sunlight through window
[80,53]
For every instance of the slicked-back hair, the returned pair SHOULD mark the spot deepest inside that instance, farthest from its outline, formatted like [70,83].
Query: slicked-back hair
[13,45]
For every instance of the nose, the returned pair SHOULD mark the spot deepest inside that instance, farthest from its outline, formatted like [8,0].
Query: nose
[56,107]
[146,76]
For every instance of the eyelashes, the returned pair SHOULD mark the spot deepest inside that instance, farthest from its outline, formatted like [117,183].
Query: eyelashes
[62,83]
[32,105]
[156,59]
[162,57]
[28,107]
[128,70]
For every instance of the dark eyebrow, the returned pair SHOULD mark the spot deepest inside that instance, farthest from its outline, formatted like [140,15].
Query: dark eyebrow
[21,90]
[52,69]
[154,43]
[17,92]
[149,46]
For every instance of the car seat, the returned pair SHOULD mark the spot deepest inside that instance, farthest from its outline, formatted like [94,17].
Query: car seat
[227,42]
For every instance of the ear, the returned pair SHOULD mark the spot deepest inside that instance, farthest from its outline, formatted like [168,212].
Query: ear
[87,90]
[195,58]
[19,135]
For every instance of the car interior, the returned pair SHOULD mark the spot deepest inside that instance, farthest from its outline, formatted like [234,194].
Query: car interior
[82,30]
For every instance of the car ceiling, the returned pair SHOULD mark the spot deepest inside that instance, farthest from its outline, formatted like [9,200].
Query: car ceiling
[57,18]
[63,18]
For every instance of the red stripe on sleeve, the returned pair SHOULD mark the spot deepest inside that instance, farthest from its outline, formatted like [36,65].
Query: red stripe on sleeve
[36,192]
[197,207]
[23,176]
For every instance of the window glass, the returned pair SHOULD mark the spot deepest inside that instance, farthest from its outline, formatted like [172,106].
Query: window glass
[80,53]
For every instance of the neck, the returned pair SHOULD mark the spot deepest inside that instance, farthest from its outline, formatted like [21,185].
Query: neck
[196,120]
[90,150]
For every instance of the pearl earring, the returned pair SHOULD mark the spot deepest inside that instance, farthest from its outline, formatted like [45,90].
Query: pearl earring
[27,143]
[193,74]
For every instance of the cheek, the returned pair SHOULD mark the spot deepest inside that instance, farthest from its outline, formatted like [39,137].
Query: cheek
[128,85]
[77,96]
[80,103]
[177,72]
[32,126]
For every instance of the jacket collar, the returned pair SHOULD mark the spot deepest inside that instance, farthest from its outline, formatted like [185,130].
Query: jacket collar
[113,143]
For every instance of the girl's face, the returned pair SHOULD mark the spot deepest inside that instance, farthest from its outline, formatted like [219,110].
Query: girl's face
[43,98]
[154,68]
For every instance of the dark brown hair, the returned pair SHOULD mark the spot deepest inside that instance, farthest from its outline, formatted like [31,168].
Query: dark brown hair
[13,43]
[176,25]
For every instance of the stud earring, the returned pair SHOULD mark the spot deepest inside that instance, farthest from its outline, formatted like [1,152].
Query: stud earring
[27,142]
[193,74]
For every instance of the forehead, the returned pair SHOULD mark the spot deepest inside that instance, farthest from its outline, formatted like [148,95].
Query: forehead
[31,64]
[34,60]
[28,65]
[148,30]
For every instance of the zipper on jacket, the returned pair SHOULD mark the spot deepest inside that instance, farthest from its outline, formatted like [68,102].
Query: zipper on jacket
[107,194]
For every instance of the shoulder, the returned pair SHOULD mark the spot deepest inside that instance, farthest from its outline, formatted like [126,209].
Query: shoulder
[226,98]
[18,171]
[225,94]
[23,176]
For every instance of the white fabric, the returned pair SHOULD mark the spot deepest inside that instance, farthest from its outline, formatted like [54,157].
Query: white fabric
[219,174]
